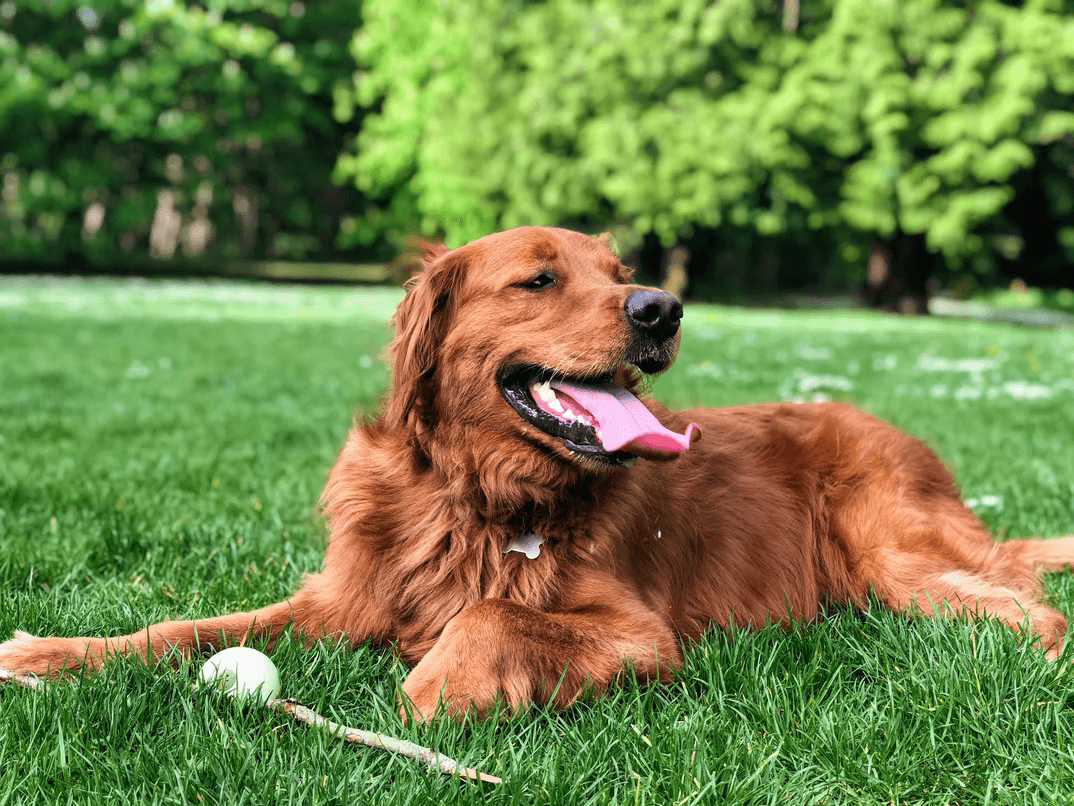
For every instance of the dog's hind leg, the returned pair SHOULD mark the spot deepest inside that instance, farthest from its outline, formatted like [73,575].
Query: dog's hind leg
[972,595]
[934,557]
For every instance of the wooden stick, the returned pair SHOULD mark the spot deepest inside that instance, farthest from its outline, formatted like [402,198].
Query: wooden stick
[423,754]
[310,717]
[26,680]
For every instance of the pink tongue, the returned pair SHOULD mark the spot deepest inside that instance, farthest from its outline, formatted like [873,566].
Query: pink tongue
[624,419]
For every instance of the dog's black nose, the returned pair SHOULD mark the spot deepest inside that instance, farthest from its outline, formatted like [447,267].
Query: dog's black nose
[656,314]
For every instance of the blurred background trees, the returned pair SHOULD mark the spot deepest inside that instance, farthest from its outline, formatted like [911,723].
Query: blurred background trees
[885,145]
[163,128]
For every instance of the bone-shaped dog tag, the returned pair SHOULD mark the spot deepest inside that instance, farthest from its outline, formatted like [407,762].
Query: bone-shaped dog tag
[528,543]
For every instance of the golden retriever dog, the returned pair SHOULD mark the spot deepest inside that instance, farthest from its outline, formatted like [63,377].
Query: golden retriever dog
[523,523]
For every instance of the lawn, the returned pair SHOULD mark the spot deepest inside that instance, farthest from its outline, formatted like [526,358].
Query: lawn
[162,448]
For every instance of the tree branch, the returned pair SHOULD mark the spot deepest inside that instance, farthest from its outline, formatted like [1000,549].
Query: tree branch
[423,754]
[25,680]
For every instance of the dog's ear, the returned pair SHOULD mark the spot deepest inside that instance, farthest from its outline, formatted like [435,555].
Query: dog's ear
[430,251]
[607,240]
[421,324]
[418,254]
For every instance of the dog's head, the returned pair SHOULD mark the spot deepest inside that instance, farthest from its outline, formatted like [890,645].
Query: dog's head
[533,340]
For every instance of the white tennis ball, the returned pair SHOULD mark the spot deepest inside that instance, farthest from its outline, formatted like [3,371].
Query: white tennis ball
[242,672]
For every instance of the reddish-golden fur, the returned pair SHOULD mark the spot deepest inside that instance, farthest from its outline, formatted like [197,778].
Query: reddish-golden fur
[776,511]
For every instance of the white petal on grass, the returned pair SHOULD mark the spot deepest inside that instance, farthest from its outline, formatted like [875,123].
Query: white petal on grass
[969,393]
[804,386]
[975,366]
[1024,390]
[808,383]
[985,502]
[705,369]
[814,353]
[137,370]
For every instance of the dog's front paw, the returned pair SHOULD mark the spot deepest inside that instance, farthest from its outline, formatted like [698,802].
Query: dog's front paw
[470,673]
[428,693]
[50,657]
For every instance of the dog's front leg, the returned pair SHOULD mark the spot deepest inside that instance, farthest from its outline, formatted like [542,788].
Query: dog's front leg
[54,656]
[501,651]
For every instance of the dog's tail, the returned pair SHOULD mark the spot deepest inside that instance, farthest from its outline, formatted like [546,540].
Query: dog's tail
[1044,554]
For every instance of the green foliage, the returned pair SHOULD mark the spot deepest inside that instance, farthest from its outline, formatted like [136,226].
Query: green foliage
[509,113]
[934,108]
[861,117]
[774,128]
[226,105]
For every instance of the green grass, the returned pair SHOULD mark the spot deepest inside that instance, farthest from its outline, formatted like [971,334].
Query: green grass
[1061,299]
[162,447]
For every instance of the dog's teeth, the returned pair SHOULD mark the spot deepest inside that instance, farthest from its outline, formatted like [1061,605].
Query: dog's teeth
[569,415]
[544,391]
[554,404]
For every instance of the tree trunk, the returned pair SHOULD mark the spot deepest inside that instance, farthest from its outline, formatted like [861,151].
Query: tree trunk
[898,274]
[791,12]
[676,277]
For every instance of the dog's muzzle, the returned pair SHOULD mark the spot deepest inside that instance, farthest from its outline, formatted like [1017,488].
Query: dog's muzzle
[654,318]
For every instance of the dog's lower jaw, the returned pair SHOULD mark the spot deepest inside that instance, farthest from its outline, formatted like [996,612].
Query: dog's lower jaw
[595,464]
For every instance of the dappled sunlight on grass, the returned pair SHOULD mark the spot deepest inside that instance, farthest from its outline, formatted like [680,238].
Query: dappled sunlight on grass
[192,299]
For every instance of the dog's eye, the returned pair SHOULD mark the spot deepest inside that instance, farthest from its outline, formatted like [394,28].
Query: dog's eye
[542,280]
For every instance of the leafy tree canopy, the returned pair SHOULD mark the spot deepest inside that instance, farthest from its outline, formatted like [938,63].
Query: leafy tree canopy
[227,105]
[873,118]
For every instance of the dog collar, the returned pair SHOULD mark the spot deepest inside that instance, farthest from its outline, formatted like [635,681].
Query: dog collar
[528,543]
